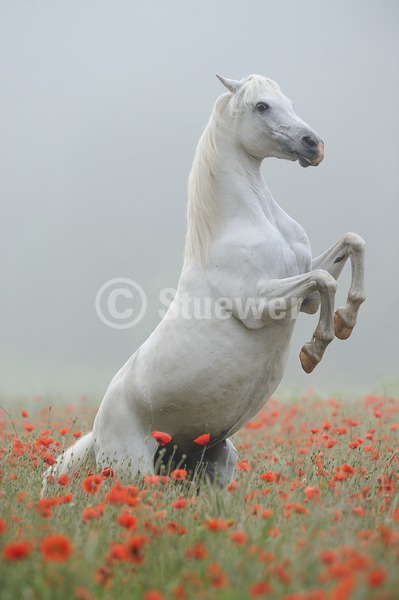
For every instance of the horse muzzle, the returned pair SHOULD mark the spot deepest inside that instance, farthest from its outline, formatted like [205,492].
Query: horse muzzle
[313,152]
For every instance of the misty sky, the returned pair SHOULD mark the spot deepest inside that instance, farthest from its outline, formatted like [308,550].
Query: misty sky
[101,106]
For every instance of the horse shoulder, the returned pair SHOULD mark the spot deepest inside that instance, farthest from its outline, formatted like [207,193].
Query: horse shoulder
[295,236]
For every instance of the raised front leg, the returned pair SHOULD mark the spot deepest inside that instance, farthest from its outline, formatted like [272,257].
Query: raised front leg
[288,295]
[333,260]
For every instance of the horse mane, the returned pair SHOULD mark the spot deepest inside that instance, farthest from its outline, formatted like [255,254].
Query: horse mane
[202,206]
[202,213]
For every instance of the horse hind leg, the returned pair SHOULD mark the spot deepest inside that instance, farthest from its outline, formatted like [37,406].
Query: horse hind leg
[127,459]
[218,463]
[125,446]
[78,458]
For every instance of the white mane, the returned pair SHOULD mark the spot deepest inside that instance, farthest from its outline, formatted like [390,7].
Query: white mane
[202,213]
[202,206]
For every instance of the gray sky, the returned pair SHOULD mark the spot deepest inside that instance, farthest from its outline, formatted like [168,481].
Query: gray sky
[101,106]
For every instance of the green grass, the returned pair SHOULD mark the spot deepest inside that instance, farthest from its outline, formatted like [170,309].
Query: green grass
[321,524]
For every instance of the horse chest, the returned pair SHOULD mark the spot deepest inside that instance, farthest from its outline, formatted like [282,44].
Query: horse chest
[287,244]
[276,252]
[277,256]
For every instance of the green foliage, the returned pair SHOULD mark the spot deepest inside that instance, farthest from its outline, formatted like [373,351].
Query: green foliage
[311,515]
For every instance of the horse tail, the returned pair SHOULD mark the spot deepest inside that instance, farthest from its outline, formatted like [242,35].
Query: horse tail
[74,458]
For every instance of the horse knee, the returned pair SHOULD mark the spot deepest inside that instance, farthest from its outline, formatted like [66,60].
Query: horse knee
[354,242]
[311,303]
[127,448]
[325,281]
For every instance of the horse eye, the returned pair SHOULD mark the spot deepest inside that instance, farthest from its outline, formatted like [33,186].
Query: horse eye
[262,107]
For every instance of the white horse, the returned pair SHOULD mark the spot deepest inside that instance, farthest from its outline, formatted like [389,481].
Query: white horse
[220,351]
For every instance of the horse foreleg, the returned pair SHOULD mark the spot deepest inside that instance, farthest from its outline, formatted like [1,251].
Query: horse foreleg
[291,293]
[312,352]
[333,261]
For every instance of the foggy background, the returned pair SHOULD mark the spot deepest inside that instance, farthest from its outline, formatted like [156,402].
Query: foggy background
[101,106]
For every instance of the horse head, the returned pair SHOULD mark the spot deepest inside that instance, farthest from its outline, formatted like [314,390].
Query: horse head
[264,122]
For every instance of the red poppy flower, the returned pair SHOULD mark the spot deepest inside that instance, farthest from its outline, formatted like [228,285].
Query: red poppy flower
[24,414]
[44,505]
[45,441]
[156,480]
[216,524]
[63,430]
[154,595]
[232,486]
[107,472]
[260,588]
[49,460]
[341,431]
[175,528]
[327,556]
[376,577]
[238,537]
[92,484]
[244,466]
[198,552]
[203,439]
[180,502]
[161,437]
[348,469]
[127,521]
[217,577]
[16,550]
[119,494]
[270,476]
[103,576]
[117,552]
[312,492]
[179,474]
[274,532]
[134,547]
[93,512]
[291,507]
[56,548]
[63,479]
[179,593]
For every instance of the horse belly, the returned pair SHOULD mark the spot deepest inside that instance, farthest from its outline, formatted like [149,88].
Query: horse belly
[207,376]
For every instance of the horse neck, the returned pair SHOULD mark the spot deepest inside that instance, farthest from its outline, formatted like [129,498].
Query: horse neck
[225,184]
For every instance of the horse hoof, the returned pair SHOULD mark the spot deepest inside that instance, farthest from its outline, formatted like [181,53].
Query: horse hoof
[341,330]
[308,362]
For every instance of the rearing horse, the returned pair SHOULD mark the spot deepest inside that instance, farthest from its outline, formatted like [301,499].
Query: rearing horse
[251,265]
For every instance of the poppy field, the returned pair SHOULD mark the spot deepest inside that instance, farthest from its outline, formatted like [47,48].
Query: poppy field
[312,514]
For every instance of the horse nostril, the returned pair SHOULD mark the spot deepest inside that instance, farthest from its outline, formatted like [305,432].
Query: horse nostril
[309,141]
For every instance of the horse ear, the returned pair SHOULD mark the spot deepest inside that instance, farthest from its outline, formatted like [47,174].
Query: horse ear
[231,84]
